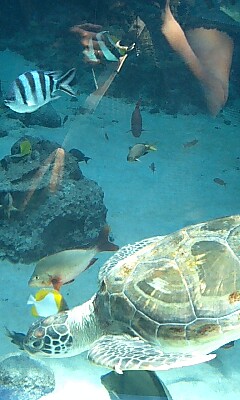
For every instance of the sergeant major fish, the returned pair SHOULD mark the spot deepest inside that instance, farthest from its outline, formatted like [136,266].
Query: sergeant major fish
[139,150]
[63,267]
[33,89]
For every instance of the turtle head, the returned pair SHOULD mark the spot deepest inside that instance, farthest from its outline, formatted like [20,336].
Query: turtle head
[49,337]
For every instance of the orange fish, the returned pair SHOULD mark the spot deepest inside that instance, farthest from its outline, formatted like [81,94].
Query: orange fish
[136,120]
[63,267]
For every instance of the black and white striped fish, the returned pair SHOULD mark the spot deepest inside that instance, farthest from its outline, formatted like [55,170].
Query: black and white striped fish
[108,45]
[33,89]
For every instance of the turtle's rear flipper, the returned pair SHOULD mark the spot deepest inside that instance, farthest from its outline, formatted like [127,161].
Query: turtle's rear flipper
[16,338]
[125,353]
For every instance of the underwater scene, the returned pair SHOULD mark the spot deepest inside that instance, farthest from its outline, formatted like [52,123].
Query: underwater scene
[119,199]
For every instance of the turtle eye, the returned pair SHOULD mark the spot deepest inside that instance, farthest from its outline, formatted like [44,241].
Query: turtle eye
[37,277]
[33,346]
[37,344]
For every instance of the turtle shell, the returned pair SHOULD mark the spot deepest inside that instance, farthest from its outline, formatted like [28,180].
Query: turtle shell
[180,291]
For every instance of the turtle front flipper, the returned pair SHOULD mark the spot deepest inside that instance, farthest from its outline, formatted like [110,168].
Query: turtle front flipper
[123,353]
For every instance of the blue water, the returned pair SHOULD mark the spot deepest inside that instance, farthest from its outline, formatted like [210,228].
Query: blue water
[177,94]
[7,394]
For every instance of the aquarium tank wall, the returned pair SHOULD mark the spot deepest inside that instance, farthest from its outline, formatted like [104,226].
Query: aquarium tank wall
[119,199]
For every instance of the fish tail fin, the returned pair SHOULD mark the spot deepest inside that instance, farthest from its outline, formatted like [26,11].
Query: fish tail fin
[139,102]
[86,159]
[103,243]
[152,147]
[63,305]
[31,300]
[64,80]
[16,338]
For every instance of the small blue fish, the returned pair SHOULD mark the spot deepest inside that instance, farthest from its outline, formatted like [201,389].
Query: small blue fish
[33,89]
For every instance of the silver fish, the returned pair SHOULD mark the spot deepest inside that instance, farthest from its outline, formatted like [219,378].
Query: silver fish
[63,267]
[33,89]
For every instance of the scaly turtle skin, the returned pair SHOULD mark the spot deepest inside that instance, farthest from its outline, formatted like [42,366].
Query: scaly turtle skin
[164,302]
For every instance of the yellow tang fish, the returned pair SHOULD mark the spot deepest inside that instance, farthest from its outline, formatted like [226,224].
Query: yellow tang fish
[25,148]
[47,302]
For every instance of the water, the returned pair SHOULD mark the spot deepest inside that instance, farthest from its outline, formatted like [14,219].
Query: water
[187,90]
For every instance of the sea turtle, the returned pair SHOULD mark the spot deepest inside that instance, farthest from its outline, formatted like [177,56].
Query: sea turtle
[163,302]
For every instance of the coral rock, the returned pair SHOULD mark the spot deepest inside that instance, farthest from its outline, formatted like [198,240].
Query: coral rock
[57,207]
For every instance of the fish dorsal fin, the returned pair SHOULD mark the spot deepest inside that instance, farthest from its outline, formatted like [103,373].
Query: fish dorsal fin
[53,74]
[103,243]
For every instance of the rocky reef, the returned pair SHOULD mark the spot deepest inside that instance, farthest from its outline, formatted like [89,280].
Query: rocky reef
[22,378]
[47,205]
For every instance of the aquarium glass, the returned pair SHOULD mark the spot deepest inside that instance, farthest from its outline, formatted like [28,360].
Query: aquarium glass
[119,199]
